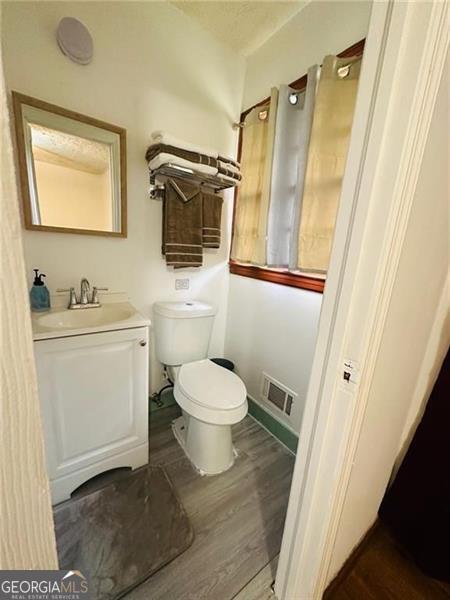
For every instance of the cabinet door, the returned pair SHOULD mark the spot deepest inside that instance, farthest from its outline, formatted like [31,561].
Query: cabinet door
[94,396]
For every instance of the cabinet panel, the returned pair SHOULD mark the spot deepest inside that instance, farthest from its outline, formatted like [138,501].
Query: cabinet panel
[94,396]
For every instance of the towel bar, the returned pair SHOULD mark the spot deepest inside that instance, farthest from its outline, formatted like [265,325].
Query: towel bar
[158,176]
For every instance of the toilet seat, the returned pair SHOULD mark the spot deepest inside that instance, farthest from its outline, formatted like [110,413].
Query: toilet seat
[211,393]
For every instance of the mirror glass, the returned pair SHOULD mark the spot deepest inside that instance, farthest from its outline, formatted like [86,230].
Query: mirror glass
[72,170]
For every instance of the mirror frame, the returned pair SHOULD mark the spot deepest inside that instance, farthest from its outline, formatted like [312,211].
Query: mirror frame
[21,99]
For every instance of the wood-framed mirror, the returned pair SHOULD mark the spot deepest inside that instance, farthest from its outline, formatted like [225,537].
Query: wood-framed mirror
[72,170]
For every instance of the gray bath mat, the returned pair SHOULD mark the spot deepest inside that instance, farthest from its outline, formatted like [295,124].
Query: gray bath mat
[122,533]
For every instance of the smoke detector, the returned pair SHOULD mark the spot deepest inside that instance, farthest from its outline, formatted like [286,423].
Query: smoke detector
[75,40]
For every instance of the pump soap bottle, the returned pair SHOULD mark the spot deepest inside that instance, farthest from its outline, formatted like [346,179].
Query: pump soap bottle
[39,294]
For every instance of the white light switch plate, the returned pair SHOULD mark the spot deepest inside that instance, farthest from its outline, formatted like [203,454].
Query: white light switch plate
[181,284]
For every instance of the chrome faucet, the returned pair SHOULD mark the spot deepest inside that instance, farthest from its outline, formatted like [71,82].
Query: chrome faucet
[84,289]
[85,301]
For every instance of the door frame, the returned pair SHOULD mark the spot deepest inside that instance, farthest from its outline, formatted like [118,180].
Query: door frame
[362,273]
[404,58]
[28,537]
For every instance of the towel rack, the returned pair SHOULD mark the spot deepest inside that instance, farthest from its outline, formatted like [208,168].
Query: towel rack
[156,188]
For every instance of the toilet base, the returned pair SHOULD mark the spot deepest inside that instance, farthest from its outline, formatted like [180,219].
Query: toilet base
[209,447]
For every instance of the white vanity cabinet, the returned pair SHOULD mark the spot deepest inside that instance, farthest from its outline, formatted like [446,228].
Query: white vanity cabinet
[94,396]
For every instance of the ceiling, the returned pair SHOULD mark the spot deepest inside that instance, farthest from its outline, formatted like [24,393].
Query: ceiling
[60,148]
[244,26]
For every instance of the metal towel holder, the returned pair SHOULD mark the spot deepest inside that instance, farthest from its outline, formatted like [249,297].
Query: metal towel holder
[158,177]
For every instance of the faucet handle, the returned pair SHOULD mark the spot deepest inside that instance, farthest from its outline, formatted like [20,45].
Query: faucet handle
[95,291]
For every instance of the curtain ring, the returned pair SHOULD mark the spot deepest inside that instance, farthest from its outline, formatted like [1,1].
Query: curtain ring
[343,71]
[263,114]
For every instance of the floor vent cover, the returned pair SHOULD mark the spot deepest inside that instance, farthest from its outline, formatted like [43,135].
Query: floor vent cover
[277,394]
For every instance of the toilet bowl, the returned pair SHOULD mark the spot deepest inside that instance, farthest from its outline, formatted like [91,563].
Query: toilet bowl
[212,398]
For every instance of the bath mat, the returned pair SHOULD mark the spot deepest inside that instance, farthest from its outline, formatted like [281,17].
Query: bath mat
[121,534]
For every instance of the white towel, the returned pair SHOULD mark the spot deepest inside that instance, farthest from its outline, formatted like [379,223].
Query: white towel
[161,137]
[229,166]
[233,182]
[229,161]
[164,158]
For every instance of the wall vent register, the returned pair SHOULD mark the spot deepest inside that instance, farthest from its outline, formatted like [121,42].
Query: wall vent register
[276,394]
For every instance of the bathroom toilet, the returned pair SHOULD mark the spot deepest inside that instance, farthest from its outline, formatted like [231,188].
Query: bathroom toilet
[212,398]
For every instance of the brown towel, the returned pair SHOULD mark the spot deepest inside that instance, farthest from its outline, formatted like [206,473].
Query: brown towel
[223,170]
[212,214]
[182,224]
[225,159]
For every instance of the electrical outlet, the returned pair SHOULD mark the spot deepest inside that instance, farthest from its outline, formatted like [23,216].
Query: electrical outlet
[181,284]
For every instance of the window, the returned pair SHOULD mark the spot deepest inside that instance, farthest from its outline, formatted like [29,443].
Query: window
[266,242]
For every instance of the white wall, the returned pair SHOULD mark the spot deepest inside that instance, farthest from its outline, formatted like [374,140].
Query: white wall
[70,197]
[273,328]
[415,339]
[153,68]
[319,29]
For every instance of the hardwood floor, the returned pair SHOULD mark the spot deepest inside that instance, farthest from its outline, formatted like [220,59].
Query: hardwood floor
[259,588]
[237,517]
[380,570]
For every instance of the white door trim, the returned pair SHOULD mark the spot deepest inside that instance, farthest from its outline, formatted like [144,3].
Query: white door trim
[404,58]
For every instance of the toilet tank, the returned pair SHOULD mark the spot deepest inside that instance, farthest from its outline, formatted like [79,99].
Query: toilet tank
[182,331]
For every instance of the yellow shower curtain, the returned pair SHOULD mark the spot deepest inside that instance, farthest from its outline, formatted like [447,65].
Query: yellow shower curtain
[250,221]
[327,155]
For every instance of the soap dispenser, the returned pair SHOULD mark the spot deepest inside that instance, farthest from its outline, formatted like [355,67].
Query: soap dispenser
[39,294]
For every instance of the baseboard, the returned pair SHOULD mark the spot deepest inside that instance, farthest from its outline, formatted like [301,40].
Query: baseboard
[350,562]
[273,426]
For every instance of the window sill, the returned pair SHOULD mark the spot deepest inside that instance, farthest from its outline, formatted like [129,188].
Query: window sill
[303,282]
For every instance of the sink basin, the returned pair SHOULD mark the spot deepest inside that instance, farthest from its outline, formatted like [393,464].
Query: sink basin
[86,317]
[62,322]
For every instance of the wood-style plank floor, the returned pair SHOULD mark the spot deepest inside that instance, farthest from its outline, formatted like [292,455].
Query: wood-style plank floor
[382,571]
[237,517]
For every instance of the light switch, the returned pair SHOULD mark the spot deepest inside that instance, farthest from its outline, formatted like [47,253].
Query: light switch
[350,372]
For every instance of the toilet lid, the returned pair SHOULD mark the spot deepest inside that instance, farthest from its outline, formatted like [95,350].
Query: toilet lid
[209,385]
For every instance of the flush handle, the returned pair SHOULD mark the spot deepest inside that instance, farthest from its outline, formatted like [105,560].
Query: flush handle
[142,343]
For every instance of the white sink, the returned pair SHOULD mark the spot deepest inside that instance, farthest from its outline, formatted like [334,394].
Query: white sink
[86,317]
[108,317]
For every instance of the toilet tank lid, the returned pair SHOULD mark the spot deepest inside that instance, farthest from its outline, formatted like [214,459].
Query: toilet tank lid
[184,310]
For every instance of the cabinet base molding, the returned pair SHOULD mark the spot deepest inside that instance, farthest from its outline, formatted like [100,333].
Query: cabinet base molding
[62,487]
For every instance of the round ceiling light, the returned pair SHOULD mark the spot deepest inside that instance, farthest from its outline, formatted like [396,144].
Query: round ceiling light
[75,40]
